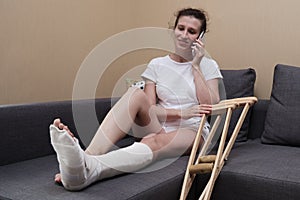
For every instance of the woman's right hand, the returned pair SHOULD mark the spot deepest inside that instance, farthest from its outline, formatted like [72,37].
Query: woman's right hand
[199,52]
[196,111]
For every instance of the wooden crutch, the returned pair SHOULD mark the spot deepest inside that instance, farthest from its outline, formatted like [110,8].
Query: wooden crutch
[214,163]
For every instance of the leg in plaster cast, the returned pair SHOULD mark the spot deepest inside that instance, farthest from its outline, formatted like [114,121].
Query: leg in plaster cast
[79,169]
[57,123]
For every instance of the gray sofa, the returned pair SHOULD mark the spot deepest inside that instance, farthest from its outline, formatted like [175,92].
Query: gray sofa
[264,163]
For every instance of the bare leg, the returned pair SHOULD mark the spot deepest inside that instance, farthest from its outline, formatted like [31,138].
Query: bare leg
[132,108]
[171,144]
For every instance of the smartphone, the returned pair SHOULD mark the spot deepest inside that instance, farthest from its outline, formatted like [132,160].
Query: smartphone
[200,37]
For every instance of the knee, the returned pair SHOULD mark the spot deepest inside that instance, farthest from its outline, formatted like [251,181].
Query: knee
[137,95]
[136,92]
[152,142]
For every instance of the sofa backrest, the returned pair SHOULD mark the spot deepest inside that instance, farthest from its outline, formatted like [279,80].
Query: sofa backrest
[239,83]
[24,129]
[257,119]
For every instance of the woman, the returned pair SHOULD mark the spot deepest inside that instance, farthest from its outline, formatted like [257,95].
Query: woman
[184,90]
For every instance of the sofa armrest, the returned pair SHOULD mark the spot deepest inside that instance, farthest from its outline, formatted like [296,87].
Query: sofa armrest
[257,120]
[24,128]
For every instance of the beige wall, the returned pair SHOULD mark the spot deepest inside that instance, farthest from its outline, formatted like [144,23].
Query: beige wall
[255,33]
[44,42]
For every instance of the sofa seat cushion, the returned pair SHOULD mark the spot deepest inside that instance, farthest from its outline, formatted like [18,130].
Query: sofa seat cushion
[283,115]
[33,179]
[259,171]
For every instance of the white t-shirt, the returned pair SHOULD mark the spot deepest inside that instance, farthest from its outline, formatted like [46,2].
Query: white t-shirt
[175,87]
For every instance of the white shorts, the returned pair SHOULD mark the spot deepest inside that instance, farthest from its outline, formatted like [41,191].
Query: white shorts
[194,127]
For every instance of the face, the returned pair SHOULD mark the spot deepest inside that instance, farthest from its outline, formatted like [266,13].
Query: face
[186,32]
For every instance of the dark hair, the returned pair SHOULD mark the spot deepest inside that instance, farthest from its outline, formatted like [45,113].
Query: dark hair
[197,13]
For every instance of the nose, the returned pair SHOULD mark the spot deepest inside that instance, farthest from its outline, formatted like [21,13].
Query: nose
[185,34]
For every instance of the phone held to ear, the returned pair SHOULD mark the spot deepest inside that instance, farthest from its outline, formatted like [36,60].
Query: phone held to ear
[200,36]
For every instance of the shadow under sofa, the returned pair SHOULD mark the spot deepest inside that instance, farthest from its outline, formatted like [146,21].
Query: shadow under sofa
[254,170]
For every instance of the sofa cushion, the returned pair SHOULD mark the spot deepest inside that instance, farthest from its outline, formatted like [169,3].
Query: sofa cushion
[26,126]
[259,171]
[239,83]
[283,115]
[33,179]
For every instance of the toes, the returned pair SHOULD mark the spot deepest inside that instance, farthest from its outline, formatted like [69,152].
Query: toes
[56,122]
[68,130]
[61,126]
[60,137]
[57,178]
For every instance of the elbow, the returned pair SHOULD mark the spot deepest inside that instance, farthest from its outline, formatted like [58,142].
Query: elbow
[216,99]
